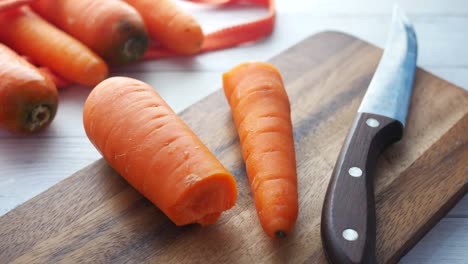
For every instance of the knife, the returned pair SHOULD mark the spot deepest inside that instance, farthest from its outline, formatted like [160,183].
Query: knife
[348,225]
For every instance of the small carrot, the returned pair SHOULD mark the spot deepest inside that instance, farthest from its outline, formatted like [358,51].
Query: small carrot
[169,25]
[156,152]
[29,34]
[28,100]
[261,113]
[113,29]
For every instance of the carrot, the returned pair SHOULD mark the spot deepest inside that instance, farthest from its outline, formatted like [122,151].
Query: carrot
[113,29]
[170,26]
[261,113]
[8,4]
[29,34]
[28,100]
[156,152]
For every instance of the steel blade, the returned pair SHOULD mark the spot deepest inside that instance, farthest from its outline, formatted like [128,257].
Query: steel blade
[390,90]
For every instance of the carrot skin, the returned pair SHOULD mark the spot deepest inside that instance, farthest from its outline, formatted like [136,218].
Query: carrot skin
[9,4]
[113,29]
[154,150]
[261,112]
[30,35]
[175,29]
[28,99]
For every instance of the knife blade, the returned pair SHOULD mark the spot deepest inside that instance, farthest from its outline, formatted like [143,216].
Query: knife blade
[348,225]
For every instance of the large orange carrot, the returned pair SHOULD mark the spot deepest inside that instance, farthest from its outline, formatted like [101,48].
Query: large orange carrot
[113,29]
[28,100]
[156,152]
[29,34]
[169,25]
[261,113]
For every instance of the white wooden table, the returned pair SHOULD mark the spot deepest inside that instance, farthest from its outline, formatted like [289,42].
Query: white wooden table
[30,165]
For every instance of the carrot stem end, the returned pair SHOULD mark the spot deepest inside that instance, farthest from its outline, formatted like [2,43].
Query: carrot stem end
[38,117]
[134,48]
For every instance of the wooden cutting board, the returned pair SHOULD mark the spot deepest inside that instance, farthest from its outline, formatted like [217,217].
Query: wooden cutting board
[95,216]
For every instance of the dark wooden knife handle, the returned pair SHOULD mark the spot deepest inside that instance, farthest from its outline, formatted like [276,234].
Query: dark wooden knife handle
[348,215]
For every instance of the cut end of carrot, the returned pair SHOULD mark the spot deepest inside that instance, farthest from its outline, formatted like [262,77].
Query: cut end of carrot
[129,48]
[31,119]
[204,202]
[134,48]
[209,219]
[39,117]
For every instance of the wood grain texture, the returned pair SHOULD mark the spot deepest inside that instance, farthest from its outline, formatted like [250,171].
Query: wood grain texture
[95,216]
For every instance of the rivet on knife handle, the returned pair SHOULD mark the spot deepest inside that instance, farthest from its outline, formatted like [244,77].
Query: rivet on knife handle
[348,218]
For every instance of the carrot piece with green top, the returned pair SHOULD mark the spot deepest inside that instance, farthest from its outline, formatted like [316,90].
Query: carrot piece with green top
[29,34]
[113,29]
[28,99]
[261,112]
[156,152]
[175,29]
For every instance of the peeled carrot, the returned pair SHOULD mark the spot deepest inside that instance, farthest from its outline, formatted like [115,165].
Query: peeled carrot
[261,113]
[169,25]
[28,100]
[29,34]
[113,29]
[156,152]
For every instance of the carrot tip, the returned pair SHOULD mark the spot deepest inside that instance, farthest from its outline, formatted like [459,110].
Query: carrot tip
[280,234]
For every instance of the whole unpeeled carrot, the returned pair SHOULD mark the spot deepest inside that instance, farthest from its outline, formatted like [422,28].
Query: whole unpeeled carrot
[113,29]
[28,100]
[261,113]
[156,152]
[175,29]
[29,34]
